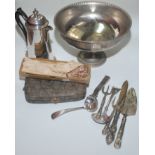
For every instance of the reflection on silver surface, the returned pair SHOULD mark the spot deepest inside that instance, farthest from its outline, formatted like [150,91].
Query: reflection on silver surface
[93,31]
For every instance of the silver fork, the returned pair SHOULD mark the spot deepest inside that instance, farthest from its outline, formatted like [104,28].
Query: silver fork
[106,127]
[113,92]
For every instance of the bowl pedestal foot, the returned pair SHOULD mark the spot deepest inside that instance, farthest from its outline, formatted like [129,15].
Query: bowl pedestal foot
[93,58]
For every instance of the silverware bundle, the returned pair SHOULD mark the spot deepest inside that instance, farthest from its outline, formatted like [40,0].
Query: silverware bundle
[125,105]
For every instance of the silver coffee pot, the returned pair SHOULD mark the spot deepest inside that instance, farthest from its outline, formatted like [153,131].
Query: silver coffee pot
[36,33]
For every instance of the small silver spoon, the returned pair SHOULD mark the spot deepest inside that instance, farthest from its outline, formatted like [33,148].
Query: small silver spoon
[90,104]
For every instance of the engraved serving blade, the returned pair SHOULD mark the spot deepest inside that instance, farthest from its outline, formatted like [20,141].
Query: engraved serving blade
[129,108]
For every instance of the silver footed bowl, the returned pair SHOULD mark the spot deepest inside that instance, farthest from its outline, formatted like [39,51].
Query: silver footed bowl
[92,26]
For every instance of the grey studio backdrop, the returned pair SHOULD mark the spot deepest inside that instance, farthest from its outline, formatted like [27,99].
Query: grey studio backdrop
[74,133]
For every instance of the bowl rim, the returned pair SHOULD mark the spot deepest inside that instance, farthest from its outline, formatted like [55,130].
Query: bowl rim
[92,2]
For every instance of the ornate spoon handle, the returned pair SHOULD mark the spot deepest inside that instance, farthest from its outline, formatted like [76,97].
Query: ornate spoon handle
[64,111]
[113,128]
[106,127]
[118,140]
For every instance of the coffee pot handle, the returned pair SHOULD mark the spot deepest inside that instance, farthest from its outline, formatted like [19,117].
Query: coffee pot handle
[19,13]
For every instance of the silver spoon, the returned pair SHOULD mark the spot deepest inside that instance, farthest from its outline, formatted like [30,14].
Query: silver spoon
[90,104]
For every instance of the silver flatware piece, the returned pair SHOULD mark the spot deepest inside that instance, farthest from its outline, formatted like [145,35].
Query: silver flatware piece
[90,103]
[120,102]
[129,109]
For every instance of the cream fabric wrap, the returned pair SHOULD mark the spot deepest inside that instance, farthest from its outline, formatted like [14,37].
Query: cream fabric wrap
[61,70]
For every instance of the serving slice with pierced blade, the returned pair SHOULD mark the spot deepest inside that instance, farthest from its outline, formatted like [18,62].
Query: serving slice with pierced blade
[129,109]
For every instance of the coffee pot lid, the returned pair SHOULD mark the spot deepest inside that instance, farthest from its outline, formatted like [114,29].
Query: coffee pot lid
[37,20]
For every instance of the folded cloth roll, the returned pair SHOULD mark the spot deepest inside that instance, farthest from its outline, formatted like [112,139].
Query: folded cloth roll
[58,70]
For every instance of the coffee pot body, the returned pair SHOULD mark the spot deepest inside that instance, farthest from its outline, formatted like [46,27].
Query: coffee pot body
[35,30]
